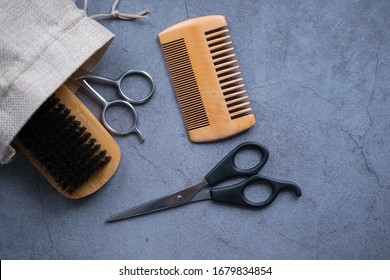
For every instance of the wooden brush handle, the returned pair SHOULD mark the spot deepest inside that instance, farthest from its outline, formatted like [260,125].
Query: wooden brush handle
[98,132]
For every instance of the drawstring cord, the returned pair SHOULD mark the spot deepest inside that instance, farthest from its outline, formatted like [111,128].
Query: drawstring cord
[116,14]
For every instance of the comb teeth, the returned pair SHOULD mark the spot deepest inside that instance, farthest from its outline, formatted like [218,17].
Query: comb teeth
[183,79]
[207,81]
[231,83]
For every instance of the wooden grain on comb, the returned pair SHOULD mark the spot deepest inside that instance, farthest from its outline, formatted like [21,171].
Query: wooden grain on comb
[207,81]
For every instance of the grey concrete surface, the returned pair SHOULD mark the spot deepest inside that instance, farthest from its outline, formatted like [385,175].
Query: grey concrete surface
[317,73]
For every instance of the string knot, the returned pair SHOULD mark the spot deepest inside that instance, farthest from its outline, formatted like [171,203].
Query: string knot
[116,14]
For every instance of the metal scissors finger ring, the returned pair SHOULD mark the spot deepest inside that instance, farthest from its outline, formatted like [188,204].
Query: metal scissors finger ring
[131,73]
[133,129]
[82,77]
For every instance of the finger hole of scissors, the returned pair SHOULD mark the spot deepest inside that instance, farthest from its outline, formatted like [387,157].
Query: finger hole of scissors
[247,158]
[120,117]
[136,86]
[258,192]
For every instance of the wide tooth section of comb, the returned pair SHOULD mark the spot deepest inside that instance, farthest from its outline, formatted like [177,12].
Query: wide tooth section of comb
[224,62]
[184,82]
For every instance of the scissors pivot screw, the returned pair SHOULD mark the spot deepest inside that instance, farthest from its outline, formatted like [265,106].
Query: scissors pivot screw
[179,197]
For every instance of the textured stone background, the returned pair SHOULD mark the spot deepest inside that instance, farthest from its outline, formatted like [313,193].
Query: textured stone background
[317,73]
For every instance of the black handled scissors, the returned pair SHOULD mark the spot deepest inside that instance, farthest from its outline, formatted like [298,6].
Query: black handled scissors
[82,77]
[204,190]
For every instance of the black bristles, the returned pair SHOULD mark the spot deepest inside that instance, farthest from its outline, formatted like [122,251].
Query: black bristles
[62,145]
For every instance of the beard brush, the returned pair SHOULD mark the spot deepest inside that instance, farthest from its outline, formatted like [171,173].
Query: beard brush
[209,88]
[69,146]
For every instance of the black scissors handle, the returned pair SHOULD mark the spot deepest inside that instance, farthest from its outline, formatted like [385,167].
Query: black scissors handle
[235,194]
[227,168]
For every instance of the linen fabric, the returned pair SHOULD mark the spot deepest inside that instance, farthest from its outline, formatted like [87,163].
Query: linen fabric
[41,44]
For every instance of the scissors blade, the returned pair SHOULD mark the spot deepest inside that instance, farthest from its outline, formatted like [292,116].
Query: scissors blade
[174,200]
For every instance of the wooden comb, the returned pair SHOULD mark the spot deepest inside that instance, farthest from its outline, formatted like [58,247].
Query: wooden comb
[208,86]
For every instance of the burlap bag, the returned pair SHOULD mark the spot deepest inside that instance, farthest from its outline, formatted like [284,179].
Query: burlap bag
[42,43]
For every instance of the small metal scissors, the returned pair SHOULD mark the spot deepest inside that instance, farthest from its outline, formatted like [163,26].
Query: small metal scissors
[204,190]
[82,77]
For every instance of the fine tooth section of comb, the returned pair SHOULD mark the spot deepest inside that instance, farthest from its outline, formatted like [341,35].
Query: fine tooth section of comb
[206,78]
[184,82]
[219,43]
